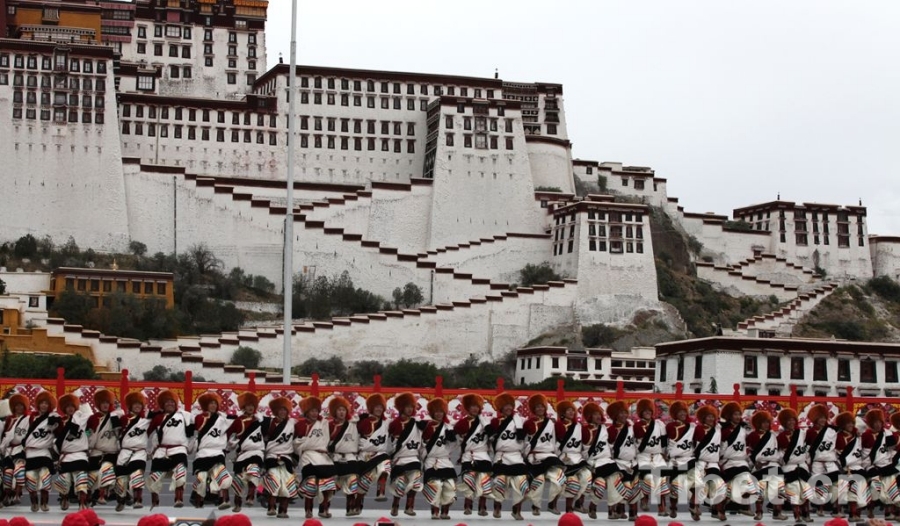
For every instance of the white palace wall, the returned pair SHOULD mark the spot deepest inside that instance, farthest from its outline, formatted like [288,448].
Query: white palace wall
[885,256]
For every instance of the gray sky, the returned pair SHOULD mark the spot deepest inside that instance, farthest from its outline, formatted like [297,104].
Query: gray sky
[731,101]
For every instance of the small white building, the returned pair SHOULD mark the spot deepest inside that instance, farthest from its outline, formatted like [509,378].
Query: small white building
[771,365]
[600,367]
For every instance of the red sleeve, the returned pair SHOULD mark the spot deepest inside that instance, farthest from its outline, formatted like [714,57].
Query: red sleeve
[699,433]
[561,429]
[587,434]
[395,428]
[811,435]
[613,432]
[784,440]
[462,427]
[156,422]
[199,420]
[301,428]
[726,432]
[494,426]
[93,423]
[236,428]
[672,431]
[364,427]
[841,442]
[61,427]
[530,427]
[868,440]
[429,430]
[753,440]
[640,429]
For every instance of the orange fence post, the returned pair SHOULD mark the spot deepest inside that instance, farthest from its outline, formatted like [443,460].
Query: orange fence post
[314,388]
[123,387]
[849,401]
[60,382]
[188,389]
[438,386]
[793,403]
[560,389]
[377,387]
[500,383]
[737,392]
[679,390]
[620,389]
[251,383]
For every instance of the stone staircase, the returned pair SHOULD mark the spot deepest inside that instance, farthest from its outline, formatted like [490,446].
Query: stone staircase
[782,321]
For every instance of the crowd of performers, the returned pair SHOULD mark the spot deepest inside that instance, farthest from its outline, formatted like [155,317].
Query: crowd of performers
[600,458]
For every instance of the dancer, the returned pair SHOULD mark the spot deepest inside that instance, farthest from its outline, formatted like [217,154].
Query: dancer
[212,428]
[39,443]
[878,446]
[312,436]
[795,464]
[598,456]
[823,459]
[104,427]
[246,439]
[735,460]
[475,458]
[510,471]
[570,433]
[406,469]
[344,448]
[439,475]
[624,451]
[542,449]
[680,452]
[707,477]
[15,429]
[374,457]
[852,486]
[765,459]
[72,444]
[279,481]
[171,434]
[652,441]
[132,460]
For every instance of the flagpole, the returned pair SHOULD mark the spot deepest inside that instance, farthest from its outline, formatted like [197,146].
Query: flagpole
[289,215]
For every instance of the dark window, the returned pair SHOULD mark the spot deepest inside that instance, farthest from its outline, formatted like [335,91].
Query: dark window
[843,370]
[662,370]
[797,368]
[773,367]
[867,371]
[750,367]
[820,370]
[698,366]
[890,372]
[679,373]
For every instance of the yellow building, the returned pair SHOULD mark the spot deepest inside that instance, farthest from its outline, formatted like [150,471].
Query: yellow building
[60,21]
[106,282]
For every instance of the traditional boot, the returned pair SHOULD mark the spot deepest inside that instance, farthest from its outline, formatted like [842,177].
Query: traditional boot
[283,508]
[138,499]
[435,513]
[82,501]
[467,507]
[482,507]
[45,500]
[798,514]
[410,504]
[551,506]
[325,508]
[720,511]
[120,502]
[570,505]
[271,511]
[179,497]
[358,504]
[759,510]
[34,500]
[579,505]
[238,501]
[778,514]
[592,510]
[517,512]
[224,505]
[308,507]
[64,503]
[870,512]
[535,510]
[806,513]
[379,493]
[673,507]
[196,500]
[632,512]
[251,495]
[445,512]
[661,508]
[154,500]
[395,506]
[101,496]
[498,509]
[854,512]
[18,498]
[645,503]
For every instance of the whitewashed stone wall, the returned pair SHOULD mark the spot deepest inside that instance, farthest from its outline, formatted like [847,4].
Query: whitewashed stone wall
[885,256]
[499,260]
[551,165]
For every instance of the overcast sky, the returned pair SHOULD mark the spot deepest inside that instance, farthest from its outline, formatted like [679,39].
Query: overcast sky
[731,101]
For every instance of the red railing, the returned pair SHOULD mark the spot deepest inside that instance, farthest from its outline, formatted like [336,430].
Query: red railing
[189,390]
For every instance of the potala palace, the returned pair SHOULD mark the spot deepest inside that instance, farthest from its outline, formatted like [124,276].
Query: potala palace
[157,121]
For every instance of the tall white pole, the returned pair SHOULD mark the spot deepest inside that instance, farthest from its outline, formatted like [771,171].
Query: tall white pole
[289,216]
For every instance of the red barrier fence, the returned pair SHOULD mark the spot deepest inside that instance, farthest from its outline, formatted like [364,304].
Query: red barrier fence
[189,390]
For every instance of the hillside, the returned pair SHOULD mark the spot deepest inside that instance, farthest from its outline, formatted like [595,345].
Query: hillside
[863,312]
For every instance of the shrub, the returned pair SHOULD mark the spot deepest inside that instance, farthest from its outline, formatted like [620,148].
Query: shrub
[599,335]
[533,274]
[407,373]
[547,189]
[885,287]
[741,226]
[161,373]
[32,365]
[363,372]
[327,368]
[246,356]
[26,247]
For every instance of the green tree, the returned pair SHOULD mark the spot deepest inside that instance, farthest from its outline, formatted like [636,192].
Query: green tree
[407,373]
[26,247]
[412,295]
[246,356]
[534,274]
[599,335]
[72,307]
[363,372]
[2,287]
[262,284]
[332,368]
[33,365]
[474,374]
[137,248]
